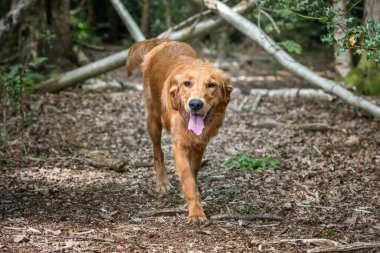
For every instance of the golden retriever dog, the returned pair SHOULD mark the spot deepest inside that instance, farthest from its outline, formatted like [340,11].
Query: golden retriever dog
[188,97]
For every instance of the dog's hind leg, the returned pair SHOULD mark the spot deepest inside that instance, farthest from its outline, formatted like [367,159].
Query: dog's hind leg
[155,131]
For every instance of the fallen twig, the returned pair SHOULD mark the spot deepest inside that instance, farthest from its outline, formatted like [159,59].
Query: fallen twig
[355,247]
[241,105]
[256,102]
[84,232]
[136,86]
[92,46]
[163,212]
[248,217]
[14,228]
[313,241]
[84,238]
[322,127]
[9,59]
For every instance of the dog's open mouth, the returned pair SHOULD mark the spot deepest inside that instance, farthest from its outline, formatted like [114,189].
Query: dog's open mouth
[197,122]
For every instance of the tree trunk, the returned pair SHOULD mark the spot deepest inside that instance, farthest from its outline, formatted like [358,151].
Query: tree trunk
[168,14]
[343,62]
[45,31]
[144,22]
[114,22]
[372,10]
[13,18]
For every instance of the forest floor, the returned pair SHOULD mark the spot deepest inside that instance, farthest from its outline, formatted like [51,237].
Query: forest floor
[55,198]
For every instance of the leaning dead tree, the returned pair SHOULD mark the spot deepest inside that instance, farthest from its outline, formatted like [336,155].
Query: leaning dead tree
[288,62]
[131,25]
[117,60]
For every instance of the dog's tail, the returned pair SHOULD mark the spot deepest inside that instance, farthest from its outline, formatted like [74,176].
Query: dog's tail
[137,52]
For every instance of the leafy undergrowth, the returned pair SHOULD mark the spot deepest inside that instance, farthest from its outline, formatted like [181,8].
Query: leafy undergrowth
[52,198]
[250,163]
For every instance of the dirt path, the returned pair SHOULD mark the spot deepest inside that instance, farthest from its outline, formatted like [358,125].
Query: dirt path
[53,199]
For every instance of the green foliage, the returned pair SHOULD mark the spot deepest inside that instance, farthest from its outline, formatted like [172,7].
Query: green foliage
[291,46]
[249,209]
[16,79]
[179,11]
[250,163]
[365,77]
[361,37]
[330,233]
[82,29]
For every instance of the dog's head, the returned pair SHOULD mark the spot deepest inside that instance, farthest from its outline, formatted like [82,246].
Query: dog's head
[198,89]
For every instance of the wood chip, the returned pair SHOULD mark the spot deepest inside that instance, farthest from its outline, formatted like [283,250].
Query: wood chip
[248,217]
[20,238]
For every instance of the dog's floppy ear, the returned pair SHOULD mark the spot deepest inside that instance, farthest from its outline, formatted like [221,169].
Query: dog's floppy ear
[174,97]
[227,89]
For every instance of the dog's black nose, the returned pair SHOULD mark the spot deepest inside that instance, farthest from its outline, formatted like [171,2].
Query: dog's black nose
[195,104]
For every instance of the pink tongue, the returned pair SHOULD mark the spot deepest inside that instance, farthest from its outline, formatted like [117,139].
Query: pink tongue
[196,123]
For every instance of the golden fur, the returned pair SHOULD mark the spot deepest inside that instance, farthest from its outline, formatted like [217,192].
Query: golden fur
[167,66]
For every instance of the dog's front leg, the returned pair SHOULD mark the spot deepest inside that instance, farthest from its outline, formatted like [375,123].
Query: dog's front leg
[189,187]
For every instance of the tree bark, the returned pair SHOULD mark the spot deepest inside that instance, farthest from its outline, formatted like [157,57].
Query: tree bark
[168,14]
[144,22]
[257,35]
[293,93]
[372,10]
[118,60]
[12,19]
[45,31]
[343,62]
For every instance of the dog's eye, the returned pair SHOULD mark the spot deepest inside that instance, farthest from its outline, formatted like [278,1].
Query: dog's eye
[187,83]
[211,85]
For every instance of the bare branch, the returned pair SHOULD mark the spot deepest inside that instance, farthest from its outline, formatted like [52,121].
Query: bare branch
[131,25]
[248,217]
[164,212]
[355,247]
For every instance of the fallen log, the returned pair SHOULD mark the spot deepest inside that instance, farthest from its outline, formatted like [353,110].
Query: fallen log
[117,60]
[288,62]
[293,93]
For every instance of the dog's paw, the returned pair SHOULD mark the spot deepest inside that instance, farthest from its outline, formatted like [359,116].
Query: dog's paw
[163,188]
[197,218]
